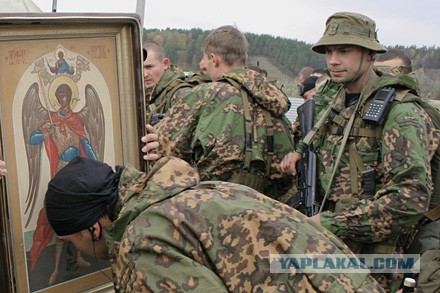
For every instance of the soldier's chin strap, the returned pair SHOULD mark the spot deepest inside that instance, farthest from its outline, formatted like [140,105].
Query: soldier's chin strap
[358,73]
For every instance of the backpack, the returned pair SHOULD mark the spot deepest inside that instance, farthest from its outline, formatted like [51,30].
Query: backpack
[254,158]
[258,157]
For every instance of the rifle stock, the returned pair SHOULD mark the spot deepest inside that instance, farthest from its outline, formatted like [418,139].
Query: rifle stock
[305,199]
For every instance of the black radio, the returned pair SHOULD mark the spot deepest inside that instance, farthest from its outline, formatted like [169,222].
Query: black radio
[380,105]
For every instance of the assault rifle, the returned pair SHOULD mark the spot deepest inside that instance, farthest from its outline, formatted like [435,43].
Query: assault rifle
[305,199]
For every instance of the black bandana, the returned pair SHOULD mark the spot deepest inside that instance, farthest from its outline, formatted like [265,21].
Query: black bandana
[80,193]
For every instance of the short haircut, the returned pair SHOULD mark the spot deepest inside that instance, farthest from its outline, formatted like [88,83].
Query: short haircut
[304,73]
[319,71]
[229,43]
[322,79]
[396,54]
[152,46]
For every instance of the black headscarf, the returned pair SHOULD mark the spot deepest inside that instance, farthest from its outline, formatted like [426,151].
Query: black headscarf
[80,193]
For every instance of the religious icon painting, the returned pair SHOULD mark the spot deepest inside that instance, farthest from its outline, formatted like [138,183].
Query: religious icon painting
[70,85]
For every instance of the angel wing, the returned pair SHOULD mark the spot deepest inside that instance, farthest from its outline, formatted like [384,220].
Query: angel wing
[33,116]
[92,115]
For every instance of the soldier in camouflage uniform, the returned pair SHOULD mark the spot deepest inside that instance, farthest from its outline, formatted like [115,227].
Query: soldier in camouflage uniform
[235,128]
[164,82]
[375,179]
[394,61]
[168,232]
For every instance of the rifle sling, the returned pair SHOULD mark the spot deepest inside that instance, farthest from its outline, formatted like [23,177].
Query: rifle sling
[338,158]
[248,131]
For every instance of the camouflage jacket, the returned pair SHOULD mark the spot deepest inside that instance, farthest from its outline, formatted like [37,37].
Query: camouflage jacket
[399,155]
[170,89]
[174,233]
[207,128]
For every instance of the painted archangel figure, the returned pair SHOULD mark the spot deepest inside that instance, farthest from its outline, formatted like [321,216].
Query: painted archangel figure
[65,134]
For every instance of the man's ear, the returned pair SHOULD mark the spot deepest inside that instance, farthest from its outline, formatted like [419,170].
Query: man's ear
[95,232]
[371,55]
[166,63]
[215,59]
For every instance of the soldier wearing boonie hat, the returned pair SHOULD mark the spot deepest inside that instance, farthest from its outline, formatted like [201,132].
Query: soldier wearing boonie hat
[367,196]
[348,28]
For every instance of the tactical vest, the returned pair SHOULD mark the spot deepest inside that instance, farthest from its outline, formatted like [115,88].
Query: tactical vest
[359,129]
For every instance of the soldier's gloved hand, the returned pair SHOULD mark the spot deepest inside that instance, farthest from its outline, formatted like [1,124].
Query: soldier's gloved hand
[288,164]
[150,140]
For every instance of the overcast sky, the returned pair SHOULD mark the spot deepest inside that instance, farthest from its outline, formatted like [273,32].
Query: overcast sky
[399,22]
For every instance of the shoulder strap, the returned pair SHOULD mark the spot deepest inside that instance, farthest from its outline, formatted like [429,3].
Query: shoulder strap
[401,96]
[338,158]
[169,91]
[248,130]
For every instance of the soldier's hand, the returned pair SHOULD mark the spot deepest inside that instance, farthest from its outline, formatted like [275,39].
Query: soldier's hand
[3,170]
[316,218]
[288,164]
[151,144]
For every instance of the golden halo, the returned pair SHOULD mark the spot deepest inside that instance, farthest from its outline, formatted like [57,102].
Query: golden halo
[60,49]
[55,84]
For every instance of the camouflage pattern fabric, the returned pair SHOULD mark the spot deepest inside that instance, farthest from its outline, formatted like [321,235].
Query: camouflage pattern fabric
[174,233]
[207,128]
[400,158]
[393,70]
[195,78]
[162,96]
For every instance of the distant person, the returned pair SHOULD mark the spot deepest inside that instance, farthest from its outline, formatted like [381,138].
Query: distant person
[164,82]
[234,128]
[307,88]
[312,84]
[168,231]
[3,170]
[394,61]
[321,81]
[318,72]
[305,72]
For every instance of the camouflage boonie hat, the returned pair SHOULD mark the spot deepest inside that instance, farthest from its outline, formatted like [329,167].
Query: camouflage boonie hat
[348,28]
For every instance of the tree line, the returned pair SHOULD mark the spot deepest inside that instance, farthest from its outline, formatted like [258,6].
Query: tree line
[183,47]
